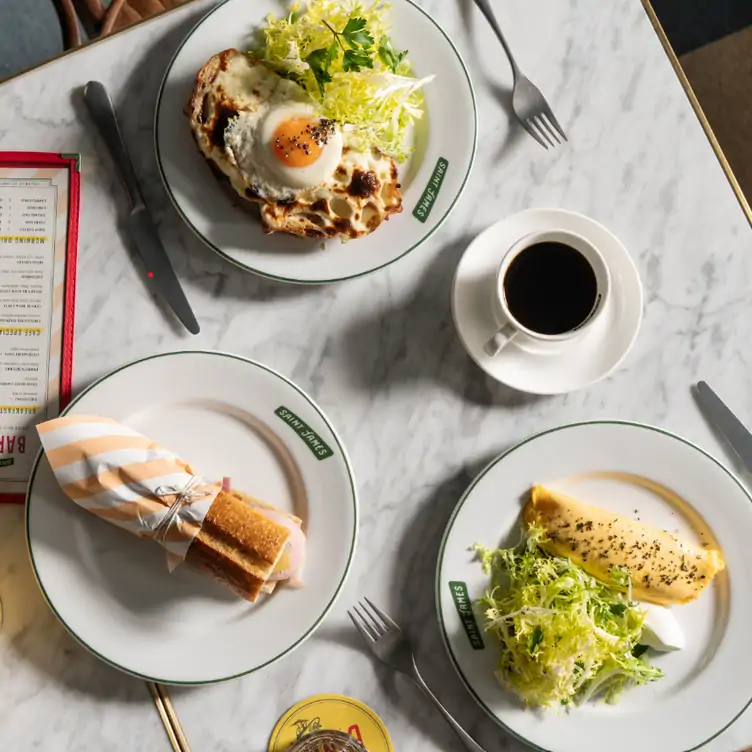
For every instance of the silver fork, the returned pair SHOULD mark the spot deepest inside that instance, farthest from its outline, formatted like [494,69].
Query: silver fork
[387,641]
[528,103]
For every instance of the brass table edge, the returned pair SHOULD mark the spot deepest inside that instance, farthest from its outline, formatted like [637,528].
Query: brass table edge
[697,107]
[169,716]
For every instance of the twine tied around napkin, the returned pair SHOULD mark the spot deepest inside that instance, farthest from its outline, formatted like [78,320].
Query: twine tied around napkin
[129,480]
[188,495]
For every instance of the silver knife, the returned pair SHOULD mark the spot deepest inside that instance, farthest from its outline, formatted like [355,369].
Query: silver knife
[731,428]
[140,224]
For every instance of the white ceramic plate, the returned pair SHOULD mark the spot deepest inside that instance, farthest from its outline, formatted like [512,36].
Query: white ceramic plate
[112,590]
[444,144]
[706,686]
[536,368]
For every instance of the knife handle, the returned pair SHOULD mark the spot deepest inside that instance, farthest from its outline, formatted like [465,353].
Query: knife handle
[102,113]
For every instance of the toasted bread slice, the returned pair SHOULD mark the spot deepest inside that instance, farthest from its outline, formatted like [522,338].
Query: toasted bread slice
[363,192]
[238,545]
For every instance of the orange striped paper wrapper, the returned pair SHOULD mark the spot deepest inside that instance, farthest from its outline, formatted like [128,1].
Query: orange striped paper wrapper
[127,479]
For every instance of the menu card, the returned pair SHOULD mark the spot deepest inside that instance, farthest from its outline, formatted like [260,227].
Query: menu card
[39,199]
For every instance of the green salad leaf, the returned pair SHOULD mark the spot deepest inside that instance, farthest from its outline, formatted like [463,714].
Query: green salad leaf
[356,33]
[565,637]
[355,61]
[389,56]
[329,48]
[320,62]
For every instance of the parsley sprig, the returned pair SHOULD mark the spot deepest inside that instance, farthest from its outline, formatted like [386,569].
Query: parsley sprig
[356,43]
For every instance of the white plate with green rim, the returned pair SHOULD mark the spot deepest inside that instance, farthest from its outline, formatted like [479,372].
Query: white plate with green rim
[432,179]
[705,687]
[228,416]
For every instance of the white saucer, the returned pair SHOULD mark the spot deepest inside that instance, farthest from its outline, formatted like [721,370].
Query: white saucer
[527,367]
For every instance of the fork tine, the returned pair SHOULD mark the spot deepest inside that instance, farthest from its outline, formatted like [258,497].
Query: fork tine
[550,115]
[391,624]
[527,125]
[538,128]
[364,632]
[545,131]
[548,129]
[374,624]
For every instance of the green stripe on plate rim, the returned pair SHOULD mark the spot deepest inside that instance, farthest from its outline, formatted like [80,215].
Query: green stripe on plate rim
[353,541]
[464,497]
[279,278]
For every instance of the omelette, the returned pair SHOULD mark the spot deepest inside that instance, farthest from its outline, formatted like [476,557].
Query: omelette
[263,139]
[664,569]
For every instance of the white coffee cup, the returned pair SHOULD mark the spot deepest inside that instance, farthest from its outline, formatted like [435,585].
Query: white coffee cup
[511,328]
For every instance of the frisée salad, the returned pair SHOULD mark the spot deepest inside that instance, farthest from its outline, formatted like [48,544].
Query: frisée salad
[341,54]
[565,637]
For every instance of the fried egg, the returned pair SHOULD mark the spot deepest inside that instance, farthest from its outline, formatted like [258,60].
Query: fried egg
[286,150]
[274,136]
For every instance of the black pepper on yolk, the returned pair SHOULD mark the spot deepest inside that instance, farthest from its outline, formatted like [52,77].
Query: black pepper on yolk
[298,142]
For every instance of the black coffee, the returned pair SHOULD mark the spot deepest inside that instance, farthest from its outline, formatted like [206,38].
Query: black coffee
[550,288]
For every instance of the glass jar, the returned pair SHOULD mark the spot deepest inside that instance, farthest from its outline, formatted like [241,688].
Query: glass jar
[327,741]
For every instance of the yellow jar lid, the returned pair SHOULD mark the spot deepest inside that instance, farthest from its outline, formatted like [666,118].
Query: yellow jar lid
[333,712]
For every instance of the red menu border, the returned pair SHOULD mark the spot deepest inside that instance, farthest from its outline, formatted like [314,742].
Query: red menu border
[73,163]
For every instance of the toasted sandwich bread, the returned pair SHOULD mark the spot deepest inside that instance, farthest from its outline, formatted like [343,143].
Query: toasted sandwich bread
[238,545]
[284,567]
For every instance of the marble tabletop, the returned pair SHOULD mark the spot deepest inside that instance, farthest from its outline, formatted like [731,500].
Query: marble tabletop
[380,353]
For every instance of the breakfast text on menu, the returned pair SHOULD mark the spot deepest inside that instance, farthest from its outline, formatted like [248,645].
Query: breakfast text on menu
[28,390]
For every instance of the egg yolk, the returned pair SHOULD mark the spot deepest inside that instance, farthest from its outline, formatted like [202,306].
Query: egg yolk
[298,142]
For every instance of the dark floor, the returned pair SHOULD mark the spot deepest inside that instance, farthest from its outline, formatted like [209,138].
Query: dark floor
[690,24]
[713,39]
[30,33]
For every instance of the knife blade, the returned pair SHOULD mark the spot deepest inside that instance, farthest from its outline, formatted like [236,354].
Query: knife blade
[158,267]
[140,224]
[730,427]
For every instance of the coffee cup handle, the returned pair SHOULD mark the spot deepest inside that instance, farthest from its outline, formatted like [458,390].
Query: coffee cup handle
[500,340]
